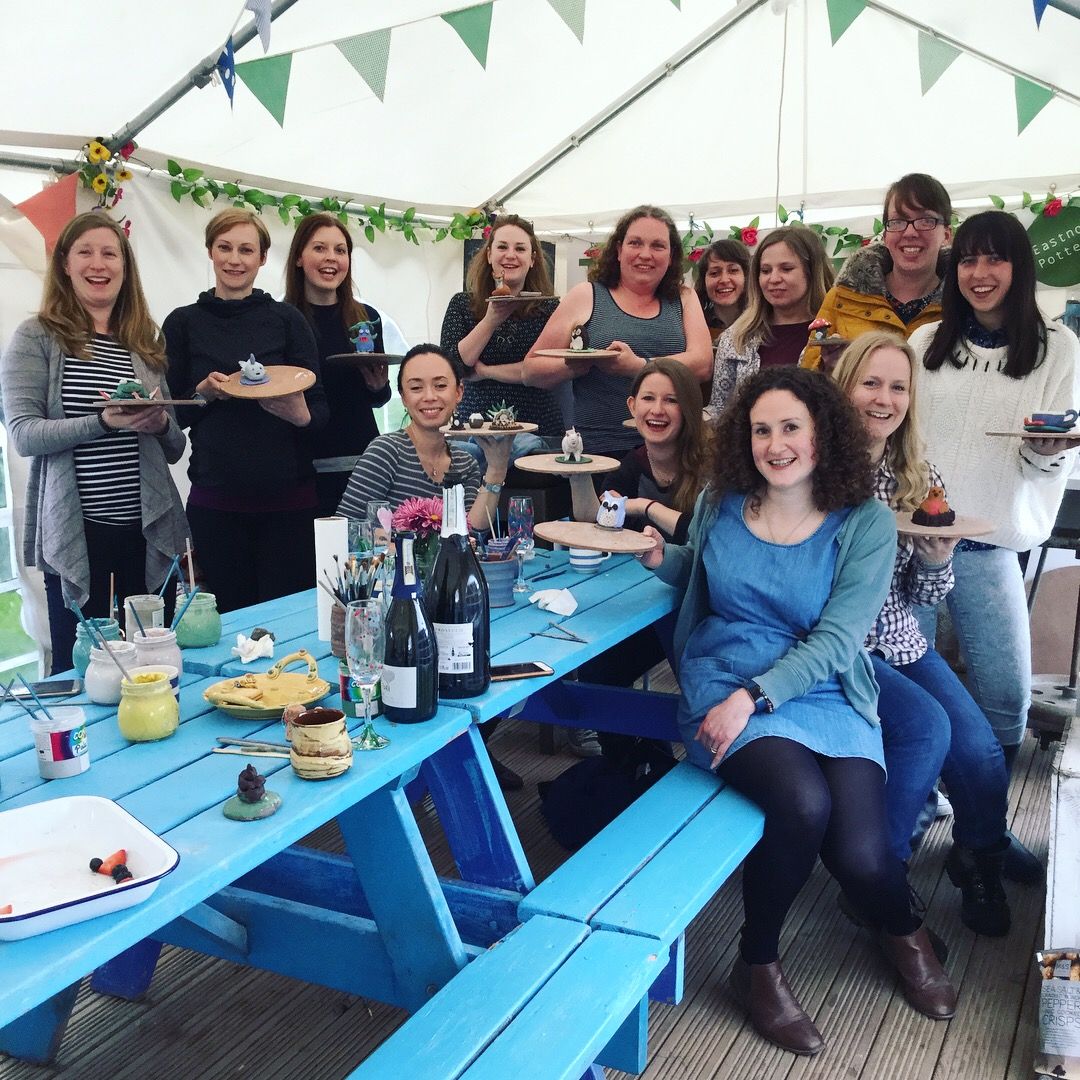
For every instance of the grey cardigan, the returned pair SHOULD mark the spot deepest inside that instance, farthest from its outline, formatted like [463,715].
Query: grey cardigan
[31,376]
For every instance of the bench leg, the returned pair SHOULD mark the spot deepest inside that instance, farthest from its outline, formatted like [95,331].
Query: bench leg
[36,1035]
[668,988]
[474,815]
[128,975]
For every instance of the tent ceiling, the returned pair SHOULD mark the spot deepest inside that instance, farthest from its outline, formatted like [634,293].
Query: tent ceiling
[450,133]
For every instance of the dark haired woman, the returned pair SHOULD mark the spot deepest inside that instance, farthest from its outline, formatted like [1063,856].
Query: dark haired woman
[894,285]
[720,283]
[319,282]
[992,361]
[788,563]
[491,339]
[412,463]
[99,495]
[634,305]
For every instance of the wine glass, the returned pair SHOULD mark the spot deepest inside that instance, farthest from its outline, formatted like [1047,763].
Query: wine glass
[519,527]
[365,642]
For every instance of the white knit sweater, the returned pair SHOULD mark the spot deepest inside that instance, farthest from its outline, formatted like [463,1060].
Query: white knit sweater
[995,478]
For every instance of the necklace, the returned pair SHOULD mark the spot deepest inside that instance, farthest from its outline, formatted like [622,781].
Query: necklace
[782,538]
[662,477]
[434,467]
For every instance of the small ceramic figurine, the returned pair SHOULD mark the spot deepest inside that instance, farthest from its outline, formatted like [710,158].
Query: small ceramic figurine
[252,373]
[501,289]
[476,420]
[503,417]
[456,423]
[127,389]
[819,329]
[933,510]
[572,448]
[1047,422]
[252,801]
[612,512]
[360,336]
[577,339]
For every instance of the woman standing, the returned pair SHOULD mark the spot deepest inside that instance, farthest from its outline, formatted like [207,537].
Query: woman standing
[788,562]
[491,339]
[634,305]
[929,722]
[100,499]
[320,284]
[252,499]
[789,276]
[720,283]
[991,361]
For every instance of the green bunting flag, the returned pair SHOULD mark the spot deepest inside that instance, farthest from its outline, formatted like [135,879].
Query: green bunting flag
[678,4]
[369,55]
[935,56]
[268,80]
[473,26]
[572,12]
[842,13]
[1031,99]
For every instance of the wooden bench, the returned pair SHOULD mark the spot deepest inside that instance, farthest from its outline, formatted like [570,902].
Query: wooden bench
[649,873]
[543,1001]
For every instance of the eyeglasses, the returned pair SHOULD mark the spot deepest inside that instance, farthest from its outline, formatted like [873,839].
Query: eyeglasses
[922,224]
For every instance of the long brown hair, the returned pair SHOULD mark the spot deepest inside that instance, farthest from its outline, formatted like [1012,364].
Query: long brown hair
[606,271]
[129,321]
[693,442]
[480,281]
[352,311]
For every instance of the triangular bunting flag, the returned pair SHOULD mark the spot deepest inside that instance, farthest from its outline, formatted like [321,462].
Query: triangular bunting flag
[226,68]
[268,80]
[1040,7]
[369,55]
[935,56]
[1031,99]
[261,10]
[572,12]
[678,4]
[473,26]
[842,13]
[51,208]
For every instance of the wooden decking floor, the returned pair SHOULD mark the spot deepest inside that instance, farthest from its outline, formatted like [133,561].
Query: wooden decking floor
[212,1019]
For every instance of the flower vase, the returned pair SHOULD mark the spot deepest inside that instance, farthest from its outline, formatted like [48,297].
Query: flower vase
[425,549]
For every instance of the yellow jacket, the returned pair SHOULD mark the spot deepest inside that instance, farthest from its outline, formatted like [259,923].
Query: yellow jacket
[857,302]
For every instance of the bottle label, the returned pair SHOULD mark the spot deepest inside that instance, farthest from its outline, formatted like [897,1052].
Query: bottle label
[399,687]
[454,522]
[455,642]
[408,563]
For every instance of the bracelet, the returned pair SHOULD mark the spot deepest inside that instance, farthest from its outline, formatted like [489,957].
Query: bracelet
[495,489]
[648,506]
[759,697]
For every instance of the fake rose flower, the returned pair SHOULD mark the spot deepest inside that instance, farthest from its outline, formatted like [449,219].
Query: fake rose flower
[865,240]
[487,231]
[695,255]
[421,516]
[748,237]
[97,151]
[127,149]
[592,252]
[1052,208]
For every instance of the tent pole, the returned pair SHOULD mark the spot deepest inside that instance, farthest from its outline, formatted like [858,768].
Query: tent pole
[1070,7]
[197,77]
[623,102]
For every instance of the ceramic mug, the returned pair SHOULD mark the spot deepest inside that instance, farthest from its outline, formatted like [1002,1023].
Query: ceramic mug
[585,561]
[1056,419]
[321,747]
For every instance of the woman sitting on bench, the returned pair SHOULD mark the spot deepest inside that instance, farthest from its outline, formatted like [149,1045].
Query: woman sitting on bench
[788,562]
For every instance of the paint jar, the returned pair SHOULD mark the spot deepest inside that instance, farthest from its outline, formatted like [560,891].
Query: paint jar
[150,609]
[171,673]
[60,741]
[500,575]
[157,647]
[201,625]
[102,679]
[148,711]
[84,642]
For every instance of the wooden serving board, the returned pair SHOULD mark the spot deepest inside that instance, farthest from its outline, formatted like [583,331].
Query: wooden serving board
[366,358]
[549,463]
[587,534]
[521,298]
[1070,434]
[964,526]
[488,431]
[284,379]
[577,354]
[129,403]
[832,339]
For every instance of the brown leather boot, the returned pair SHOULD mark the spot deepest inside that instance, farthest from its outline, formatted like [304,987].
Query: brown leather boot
[926,986]
[763,991]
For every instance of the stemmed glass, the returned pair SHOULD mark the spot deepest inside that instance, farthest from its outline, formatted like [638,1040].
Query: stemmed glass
[365,641]
[520,528]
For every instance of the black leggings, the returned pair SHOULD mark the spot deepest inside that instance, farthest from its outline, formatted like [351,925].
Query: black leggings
[814,805]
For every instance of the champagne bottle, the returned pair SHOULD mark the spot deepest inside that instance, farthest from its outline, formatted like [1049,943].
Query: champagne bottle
[457,601]
[410,669]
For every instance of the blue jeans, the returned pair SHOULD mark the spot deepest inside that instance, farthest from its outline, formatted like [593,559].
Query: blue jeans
[927,697]
[989,610]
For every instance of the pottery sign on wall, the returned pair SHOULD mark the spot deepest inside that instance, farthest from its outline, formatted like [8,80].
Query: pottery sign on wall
[1055,242]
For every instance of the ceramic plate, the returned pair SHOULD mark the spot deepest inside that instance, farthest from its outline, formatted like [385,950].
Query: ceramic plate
[284,379]
[963,526]
[45,852]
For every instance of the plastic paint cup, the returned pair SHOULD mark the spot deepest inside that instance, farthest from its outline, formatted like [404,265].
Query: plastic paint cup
[61,742]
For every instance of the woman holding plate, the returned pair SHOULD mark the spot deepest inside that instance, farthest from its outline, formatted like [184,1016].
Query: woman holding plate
[252,499]
[634,306]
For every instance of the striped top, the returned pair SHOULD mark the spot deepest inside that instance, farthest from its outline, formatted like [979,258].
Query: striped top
[106,468]
[600,398]
[389,470]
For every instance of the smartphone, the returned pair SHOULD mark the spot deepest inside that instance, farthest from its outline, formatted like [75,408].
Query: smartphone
[533,669]
[55,688]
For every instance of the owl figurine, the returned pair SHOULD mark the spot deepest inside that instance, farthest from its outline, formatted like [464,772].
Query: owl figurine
[577,339]
[612,512]
[572,446]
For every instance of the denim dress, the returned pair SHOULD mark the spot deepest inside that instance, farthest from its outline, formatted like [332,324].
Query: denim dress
[764,599]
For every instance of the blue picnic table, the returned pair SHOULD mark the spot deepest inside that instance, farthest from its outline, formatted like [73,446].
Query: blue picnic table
[387,927]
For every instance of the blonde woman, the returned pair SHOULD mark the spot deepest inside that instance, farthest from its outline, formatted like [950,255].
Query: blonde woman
[789,277]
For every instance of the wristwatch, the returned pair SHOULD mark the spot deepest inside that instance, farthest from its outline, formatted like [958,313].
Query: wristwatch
[759,697]
[493,488]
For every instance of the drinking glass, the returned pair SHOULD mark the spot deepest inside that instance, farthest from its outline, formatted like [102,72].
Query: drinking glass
[519,527]
[365,641]
[380,535]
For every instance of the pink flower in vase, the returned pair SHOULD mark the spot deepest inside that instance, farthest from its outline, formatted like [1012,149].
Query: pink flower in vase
[422,516]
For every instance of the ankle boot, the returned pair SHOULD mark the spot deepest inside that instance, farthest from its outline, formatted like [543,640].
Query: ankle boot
[1021,864]
[977,874]
[926,986]
[775,1014]
[861,917]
